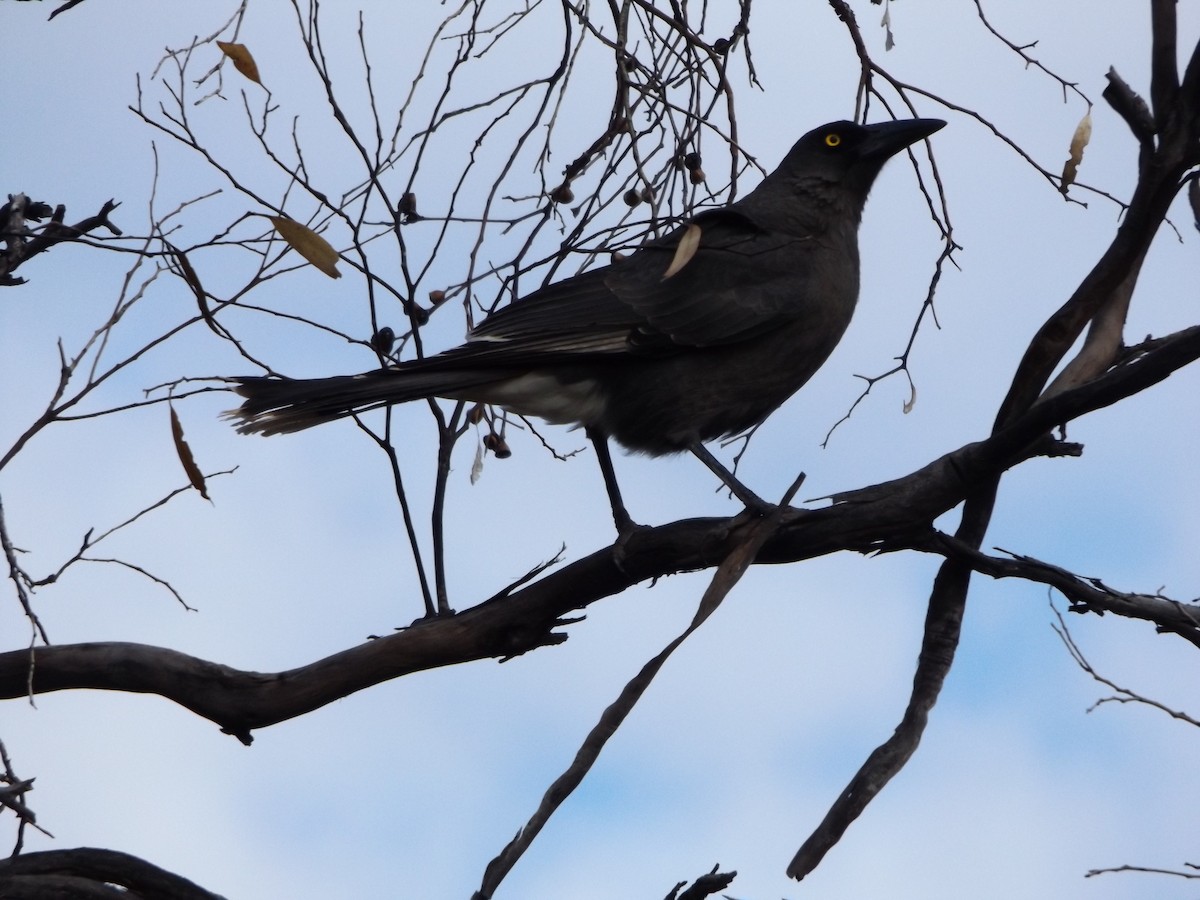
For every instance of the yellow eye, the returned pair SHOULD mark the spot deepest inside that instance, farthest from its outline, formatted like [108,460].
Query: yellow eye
[832,139]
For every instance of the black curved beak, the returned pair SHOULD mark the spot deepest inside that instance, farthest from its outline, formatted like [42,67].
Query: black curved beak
[886,139]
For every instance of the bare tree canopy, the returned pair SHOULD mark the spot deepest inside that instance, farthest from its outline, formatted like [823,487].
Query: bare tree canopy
[710,702]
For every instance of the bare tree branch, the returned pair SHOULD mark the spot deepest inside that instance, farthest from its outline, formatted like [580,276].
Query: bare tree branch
[88,872]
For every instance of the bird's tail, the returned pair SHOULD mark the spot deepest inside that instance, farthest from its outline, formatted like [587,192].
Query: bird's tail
[284,405]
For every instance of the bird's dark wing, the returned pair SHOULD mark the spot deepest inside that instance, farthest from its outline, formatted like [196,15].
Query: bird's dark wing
[732,281]
[577,315]
[741,281]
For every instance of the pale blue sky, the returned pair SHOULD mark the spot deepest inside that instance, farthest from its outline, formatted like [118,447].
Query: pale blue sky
[408,789]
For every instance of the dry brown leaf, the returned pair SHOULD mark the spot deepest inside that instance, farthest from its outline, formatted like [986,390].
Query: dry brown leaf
[1083,134]
[688,245]
[308,244]
[195,476]
[189,274]
[240,56]
[193,281]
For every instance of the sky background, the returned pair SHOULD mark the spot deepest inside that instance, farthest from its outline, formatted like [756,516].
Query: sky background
[756,724]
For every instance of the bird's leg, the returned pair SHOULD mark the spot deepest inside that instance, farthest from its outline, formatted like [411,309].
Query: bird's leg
[625,524]
[753,502]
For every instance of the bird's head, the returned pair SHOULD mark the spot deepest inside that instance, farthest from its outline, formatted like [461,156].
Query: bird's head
[837,163]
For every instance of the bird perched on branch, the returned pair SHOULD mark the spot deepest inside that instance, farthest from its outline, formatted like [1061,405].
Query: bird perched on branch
[700,334]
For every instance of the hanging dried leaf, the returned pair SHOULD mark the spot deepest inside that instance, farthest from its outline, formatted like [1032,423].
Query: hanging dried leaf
[1083,134]
[477,465]
[889,39]
[688,245]
[240,56]
[308,244]
[193,281]
[195,476]
[189,274]
[912,398]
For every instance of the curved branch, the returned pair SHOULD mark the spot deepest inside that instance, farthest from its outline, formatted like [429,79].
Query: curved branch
[89,872]
[948,598]
[1102,299]
[730,571]
[1086,595]
[891,515]
[1160,179]
[943,625]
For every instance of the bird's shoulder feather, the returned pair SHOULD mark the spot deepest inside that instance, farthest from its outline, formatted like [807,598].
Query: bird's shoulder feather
[731,281]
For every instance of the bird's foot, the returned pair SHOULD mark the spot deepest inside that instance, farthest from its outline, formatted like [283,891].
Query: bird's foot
[624,522]
[757,506]
[626,529]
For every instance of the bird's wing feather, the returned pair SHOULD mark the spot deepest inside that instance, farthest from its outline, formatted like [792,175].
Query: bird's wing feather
[741,281]
[735,285]
[576,313]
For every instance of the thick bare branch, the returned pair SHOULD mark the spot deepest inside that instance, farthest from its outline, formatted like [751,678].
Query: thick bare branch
[88,872]
[889,515]
[1086,594]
